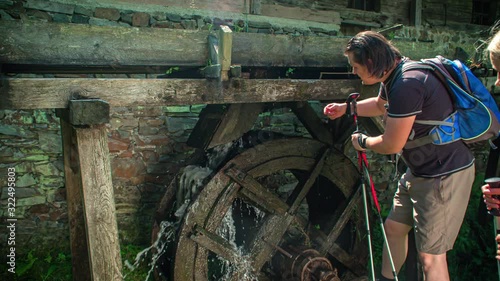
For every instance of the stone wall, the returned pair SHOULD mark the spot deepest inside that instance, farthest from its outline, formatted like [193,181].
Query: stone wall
[147,144]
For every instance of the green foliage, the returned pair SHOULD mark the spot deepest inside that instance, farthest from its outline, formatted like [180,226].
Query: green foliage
[390,35]
[26,264]
[129,253]
[56,266]
[38,265]
[238,28]
[172,70]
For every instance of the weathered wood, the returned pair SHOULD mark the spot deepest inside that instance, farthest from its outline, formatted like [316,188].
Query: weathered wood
[362,23]
[214,243]
[74,196]
[258,193]
[255,7]
[301,190]
[238,119]
[99,204]
[27,93]
[416,12]
[42,43]
[88,112]
[219,124]
[346,259]
[77,44]
[208,121]
[342,217]
[225,48]
[91,209]
[311,121]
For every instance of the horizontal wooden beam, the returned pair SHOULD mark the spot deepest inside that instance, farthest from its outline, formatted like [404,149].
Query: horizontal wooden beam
[70,45]
[77,44]
[33,93]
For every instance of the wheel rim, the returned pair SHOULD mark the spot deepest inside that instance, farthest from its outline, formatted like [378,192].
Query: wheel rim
[310,161]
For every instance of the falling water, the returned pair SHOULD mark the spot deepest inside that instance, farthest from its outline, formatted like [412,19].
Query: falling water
[165,237]
[242,262]
[190,183]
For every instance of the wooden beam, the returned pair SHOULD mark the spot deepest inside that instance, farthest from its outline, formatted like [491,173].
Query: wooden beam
[33,42]
[219,124]
[56,44]
[312,122]
[225,48]
[74,195]
[88,111]
[416,13]
[29,93]
[93,228]
[99,203]
[255,7]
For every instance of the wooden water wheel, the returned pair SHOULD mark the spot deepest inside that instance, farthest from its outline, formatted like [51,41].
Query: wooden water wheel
[284,198]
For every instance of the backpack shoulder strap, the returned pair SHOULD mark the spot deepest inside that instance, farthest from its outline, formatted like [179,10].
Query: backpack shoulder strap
[436,66]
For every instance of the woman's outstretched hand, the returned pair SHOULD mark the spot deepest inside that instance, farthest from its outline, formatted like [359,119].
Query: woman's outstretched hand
[334,110]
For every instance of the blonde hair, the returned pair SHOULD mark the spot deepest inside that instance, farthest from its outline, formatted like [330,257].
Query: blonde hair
[494,46]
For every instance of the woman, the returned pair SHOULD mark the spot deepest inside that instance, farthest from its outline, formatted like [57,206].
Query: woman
[491,202]
[432,195]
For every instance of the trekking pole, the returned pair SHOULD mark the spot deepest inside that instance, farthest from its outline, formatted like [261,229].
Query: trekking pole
[497,231]
[365,176]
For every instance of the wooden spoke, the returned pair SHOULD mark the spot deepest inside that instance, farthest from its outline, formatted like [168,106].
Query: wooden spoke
[251,190]
[214,243]
[254,191]
[303,190]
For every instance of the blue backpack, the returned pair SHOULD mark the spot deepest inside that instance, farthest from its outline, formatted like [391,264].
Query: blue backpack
[476,113]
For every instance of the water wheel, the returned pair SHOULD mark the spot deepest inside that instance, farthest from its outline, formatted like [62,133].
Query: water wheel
[284,198]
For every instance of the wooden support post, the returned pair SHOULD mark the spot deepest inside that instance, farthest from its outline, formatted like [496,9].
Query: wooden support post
[225,48]
[74,197]
[255,7]
[93,229]
[416,13]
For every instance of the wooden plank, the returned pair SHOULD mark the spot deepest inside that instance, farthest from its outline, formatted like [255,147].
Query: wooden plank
[74,195]
[214,243]
[416,13]
[258,193]
[348,260]
[99,204]
[303,189]
[238,119]
[33,42]
[46,43]
[225,45]
[312,122]
[256,49]
[341,222]
[219,124]
[28,93]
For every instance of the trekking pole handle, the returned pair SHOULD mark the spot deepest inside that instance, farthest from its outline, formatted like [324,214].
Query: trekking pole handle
[351,99]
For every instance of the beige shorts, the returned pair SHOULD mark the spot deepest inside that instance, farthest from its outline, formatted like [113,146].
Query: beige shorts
[434,206]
